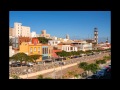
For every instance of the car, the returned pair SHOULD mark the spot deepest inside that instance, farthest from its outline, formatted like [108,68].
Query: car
[17,64]
[94,76]
[101,72]
[29,65]
[24,64]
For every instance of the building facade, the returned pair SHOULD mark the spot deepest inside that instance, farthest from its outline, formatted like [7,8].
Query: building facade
[23,39]
[20,30]
[45,52]
[83,45]
[44,34]
[11,51]
[33,34]
[10,31]
[32,48]
[53,42]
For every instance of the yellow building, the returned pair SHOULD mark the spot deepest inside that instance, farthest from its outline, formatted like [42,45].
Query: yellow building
[50,48]
[31,49]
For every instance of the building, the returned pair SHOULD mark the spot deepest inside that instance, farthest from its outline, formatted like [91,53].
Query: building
[45,51]
[102,46]
[44,34]
[53,42]
[15,42]
[23,39]
[32,48]
[83,45]
[96,35]
[10,31]
[69,48]
[33,34]
[54,55]
[11,51]
[20,30]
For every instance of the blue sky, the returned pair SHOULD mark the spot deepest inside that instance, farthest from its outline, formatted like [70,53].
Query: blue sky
[78,24]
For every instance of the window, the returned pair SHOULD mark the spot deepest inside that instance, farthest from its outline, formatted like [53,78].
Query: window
[38,48]
[43,50]
[35,49]
[71,48]
[31,49]
[46,50]
[49,51]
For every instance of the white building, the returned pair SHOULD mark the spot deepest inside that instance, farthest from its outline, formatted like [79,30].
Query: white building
[11,52]
[33,34]
[83,45]
[69,48]
[20,30]
[53,42]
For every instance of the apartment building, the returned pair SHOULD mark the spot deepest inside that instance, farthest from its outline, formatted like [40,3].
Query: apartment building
[20,30]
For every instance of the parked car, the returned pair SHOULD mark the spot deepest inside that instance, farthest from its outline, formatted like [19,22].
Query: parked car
[101,72]
[30,65]
[17,64]
[93,77]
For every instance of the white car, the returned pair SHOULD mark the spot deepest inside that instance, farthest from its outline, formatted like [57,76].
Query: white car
[30,65]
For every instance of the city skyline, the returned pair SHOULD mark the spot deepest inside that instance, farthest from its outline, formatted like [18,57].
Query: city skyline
[77,24]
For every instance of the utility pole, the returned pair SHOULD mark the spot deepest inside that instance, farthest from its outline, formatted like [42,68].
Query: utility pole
[61,71]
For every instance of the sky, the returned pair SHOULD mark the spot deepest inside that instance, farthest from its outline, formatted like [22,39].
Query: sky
[77,24]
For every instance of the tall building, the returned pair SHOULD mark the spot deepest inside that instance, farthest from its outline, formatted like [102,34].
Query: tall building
[20,30]
[96,35]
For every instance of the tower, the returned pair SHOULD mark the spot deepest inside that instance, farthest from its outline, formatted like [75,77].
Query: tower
[67,36]
[107,40]
[96,35]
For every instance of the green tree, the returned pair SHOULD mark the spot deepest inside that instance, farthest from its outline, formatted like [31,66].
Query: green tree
[93,67]
[43,40]
[76,75]
[35,57]
[82,65]
[71,73]
[40,77]
[48,78]
[20,57]
[15,77]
